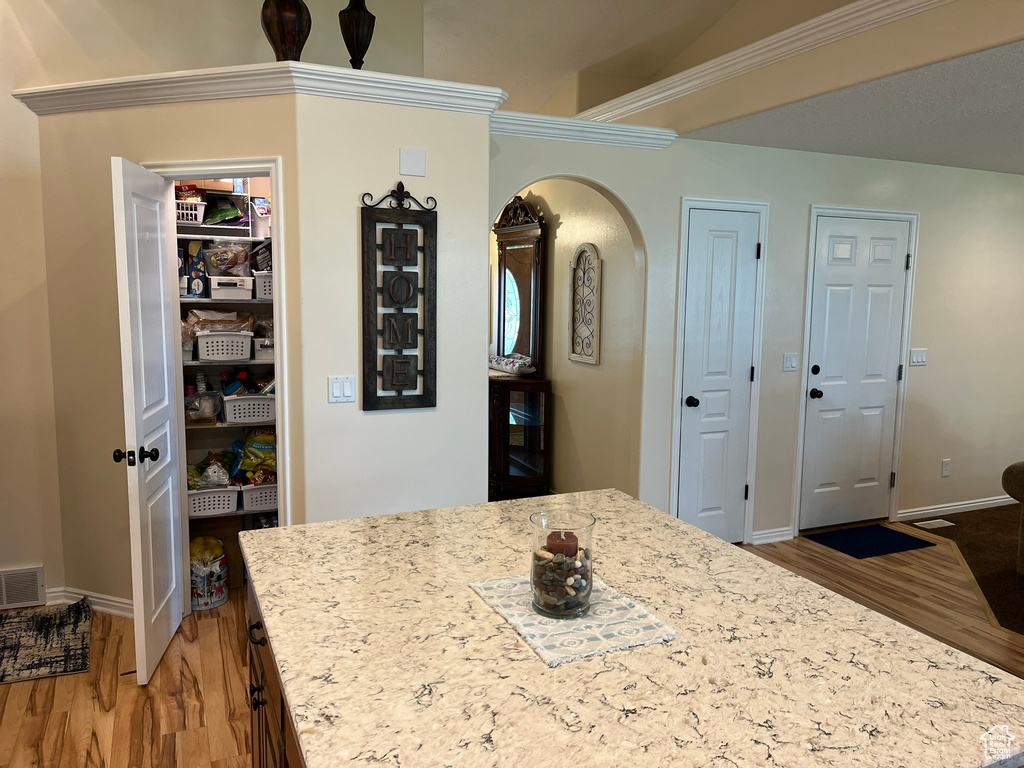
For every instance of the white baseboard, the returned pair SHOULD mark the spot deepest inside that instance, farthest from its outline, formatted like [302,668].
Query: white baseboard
[957,506]
[116,606]
[772,535]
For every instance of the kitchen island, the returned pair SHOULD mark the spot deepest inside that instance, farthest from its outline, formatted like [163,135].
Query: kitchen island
[387,656]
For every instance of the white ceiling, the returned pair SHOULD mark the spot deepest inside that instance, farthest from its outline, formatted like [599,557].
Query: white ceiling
[531,47]
[967,113]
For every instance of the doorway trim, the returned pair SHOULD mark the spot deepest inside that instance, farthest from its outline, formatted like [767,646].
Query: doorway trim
[234,168]
[735,206]
[914,220]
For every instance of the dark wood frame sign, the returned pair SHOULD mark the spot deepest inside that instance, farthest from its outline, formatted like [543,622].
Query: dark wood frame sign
[399,302]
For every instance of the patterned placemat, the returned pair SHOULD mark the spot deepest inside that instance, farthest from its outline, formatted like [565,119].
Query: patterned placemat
[614,623]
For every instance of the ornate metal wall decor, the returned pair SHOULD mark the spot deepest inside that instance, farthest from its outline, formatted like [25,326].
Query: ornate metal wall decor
[585,305]
[399,301]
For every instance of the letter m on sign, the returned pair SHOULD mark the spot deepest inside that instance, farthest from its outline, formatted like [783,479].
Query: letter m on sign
[399,331]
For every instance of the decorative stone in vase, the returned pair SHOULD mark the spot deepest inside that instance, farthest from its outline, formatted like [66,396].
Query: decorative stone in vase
[286,23]
[357,29]
[562,564]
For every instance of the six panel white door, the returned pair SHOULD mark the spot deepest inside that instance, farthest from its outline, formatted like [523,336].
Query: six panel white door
[857,303]
[718,348]
[146,274]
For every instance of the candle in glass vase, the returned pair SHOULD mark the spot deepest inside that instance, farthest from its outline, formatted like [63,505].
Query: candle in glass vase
[563,543]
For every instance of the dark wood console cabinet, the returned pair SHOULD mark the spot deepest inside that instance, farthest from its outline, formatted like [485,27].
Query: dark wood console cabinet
[519,464]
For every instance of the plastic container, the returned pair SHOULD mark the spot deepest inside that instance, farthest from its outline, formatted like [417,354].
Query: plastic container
[259,222]
[208,574]
[188,212]
[245,409]
[259,498]
[264,285]
[224,345]
[210,502]
[264,349]
[231,287]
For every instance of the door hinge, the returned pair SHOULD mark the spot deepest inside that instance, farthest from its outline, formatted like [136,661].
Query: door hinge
[892,480]
[751,373]
[746,492]
[758,253]
[899,373]
[908,261]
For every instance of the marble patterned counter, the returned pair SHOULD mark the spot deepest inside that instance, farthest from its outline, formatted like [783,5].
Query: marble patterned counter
[388,657]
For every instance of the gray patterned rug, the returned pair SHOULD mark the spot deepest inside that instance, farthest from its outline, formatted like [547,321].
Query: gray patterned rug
[42,642]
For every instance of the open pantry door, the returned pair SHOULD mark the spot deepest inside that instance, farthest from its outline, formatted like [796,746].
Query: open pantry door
[144,237]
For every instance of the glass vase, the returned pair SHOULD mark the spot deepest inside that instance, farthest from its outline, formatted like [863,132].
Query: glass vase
[562,563]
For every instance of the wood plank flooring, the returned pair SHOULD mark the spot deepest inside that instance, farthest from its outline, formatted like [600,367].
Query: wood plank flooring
[193,714]
[930,589]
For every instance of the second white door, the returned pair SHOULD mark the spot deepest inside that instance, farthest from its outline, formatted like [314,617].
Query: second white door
[718,350]
[857,300]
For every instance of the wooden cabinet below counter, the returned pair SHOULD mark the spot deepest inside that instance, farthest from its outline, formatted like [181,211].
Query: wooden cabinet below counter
[273,738]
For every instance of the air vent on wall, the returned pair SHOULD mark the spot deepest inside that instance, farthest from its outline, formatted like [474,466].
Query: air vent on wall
[22,587]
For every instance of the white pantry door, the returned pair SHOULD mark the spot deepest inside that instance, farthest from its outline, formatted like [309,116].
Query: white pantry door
[718,351]
[858,293]
[144,238]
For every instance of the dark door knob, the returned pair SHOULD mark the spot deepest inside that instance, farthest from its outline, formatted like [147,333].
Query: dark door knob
[816,394]
[691,401]
[120,456]
[152,455]
[815,369]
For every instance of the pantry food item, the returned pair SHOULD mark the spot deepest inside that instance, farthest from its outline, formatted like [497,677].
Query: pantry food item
[256,457]
[195,267]
[189,193]
[227,259]
[219,210]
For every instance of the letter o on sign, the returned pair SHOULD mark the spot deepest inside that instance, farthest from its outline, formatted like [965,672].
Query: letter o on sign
[401,289]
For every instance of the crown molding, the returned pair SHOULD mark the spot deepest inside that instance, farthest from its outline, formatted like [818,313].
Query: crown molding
[843,22]
[272,79]
[587,131]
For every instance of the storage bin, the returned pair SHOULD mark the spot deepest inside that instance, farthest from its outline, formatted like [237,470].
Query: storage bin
[259,222]
[230,287]
[224,345]
[259,498]
[213,501]
[264,285]
[244,409]
[264,349]
[188,212]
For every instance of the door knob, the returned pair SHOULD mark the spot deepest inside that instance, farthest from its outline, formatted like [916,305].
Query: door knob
[120,456]
[816,394]
[691,402]
[152,454]
[815,369]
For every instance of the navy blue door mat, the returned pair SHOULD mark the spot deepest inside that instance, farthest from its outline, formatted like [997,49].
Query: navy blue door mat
[869,541]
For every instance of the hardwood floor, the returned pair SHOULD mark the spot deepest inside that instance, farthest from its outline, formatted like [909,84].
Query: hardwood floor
[930,589]
[193,714]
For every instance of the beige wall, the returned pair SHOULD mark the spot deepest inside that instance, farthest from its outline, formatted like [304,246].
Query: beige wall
[360,462]
[43,42]
[596,437]
[966,307]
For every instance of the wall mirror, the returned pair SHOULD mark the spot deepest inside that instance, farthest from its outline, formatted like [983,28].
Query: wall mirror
[520,289]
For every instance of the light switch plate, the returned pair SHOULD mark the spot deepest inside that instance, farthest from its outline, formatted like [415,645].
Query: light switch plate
[790,361]
[341,389]
[919,357]
[412,162]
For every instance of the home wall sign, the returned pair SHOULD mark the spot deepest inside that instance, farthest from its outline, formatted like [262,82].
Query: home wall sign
[585,305]
[399,301]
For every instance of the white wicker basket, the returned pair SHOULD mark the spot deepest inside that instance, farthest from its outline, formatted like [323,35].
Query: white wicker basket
[259,498]
[264,285]
[189,212]
[213,501]
[224,345]
[243,409]
[264,349]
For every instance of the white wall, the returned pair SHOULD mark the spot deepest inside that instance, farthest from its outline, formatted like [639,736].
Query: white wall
[965,405]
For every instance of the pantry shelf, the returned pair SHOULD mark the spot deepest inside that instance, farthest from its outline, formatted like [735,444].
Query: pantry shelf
[236,425]
[193,300]
[221,364]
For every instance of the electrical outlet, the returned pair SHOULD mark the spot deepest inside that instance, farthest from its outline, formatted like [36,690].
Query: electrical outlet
[945,467]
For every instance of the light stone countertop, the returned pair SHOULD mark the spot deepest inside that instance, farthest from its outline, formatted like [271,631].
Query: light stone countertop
[388,657]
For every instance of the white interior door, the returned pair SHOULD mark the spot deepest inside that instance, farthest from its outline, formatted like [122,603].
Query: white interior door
[857,299]
[146,271]
[718,349]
